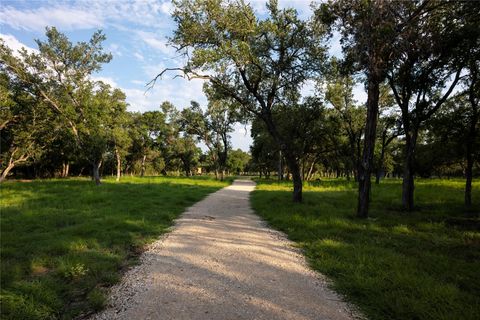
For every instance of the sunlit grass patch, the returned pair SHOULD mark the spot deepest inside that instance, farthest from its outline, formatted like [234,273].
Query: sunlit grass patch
[64,241]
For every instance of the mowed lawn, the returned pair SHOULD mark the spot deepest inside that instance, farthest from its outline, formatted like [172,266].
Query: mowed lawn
[64,241]
[395,265]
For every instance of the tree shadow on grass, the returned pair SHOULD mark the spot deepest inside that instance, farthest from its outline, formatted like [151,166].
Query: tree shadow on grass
[395,265]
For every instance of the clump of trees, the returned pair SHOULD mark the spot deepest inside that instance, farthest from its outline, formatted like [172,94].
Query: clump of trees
[415,60]
[57,121]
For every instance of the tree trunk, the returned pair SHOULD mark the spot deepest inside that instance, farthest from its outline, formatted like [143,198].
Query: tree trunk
[96,172]
[470,147]
[310,171]
[470,160]
[119,164]
[380,162]
[280,167]
[6,171]
[408,184]
[468,183]
[296,176]
[142,172]
[65,169]
[365,168]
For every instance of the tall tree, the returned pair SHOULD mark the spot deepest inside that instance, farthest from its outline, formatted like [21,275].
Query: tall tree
[368,30]
[471,50]
[59,74]
[260,63]
[424,75]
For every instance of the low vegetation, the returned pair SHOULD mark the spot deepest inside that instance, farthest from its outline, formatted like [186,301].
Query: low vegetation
[64,241]
[395,265]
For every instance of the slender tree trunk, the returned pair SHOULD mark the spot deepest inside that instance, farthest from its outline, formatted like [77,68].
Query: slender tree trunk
[142,172]
[65,169]
[119,164]
[468,182]
[470,160]
[296,176]
[280,167]
[365,168]
[380,163]
[310,171]
[96,172]
[470,145]
[408,184]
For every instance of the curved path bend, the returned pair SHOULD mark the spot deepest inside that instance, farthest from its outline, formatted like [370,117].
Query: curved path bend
[222,262]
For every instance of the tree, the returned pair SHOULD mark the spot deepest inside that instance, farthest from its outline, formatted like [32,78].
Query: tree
[260,64]
[351,117]
[471,50]
[23,120]
[150,136]
[212,127]
[424,75]
[237,161]
[368,30]
[59,74]
[389,125]
[111,117]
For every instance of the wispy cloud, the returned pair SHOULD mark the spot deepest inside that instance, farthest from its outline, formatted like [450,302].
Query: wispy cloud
[64,17]
[156,42]
[81,15]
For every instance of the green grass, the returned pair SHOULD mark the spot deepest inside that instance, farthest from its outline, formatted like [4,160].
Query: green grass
[64,241]
[395,265]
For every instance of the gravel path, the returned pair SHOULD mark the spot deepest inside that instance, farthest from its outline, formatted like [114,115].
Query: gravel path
[222,262]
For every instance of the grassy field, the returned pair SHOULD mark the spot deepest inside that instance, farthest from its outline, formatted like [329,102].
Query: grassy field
[64,241]
[395,265]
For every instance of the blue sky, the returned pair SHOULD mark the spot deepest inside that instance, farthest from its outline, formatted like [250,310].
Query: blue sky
[137,33]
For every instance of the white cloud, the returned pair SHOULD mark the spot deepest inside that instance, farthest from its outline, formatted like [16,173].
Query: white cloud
[359,94]
[80,15]
[157,43]
[308,88]
[241,137]
[107,80]
[179,92]
[14,44]
[167,7]
[60,16]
